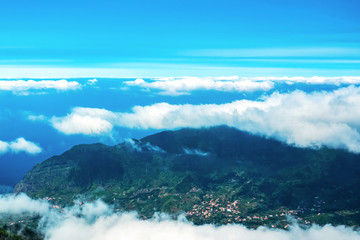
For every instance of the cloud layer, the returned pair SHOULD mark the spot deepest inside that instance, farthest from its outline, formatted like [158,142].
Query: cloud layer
[184,85]
[315,119]
[19,145]
[315,80]
[22,204]
[181,86]
[98,221]
[24,86]
[88,121]
[128,227]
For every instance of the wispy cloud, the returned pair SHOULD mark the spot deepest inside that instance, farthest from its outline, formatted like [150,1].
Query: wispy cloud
[153,70]
[182,86]
[92,81]
[276,52]
[26,86]
[198,152]
[140,146]
[19,145]
[316,80]
[176,86]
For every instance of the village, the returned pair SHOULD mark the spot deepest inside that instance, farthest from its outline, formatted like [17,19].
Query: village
[219,210]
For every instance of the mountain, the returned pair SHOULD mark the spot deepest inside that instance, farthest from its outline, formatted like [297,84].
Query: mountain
[213,175]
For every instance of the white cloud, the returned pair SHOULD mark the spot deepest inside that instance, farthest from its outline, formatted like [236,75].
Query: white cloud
[304,119]
[176,86]
[128,227]
[98,221]
[88,121]
[20,204]
[19,145]
[307,120]
[135,146]
[316,80]
[139,146]
[181,86]
[195,152]
[37,118]
[4,146]
[24,86]
[154,148]
[92,81]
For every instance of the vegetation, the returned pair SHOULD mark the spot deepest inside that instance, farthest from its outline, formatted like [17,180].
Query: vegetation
[213,175]
[17,232]
[5,235]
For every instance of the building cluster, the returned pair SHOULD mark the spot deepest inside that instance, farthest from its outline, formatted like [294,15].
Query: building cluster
[214,206]
[233,211]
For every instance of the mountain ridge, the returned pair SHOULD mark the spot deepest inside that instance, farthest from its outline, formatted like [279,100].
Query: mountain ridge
[188,170]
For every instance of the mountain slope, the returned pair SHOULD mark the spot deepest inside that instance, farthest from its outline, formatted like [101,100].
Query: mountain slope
[215,174]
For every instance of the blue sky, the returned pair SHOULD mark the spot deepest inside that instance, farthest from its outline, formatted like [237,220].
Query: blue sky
[166,38]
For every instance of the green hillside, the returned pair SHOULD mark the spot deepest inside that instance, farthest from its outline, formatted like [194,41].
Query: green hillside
[212,175]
